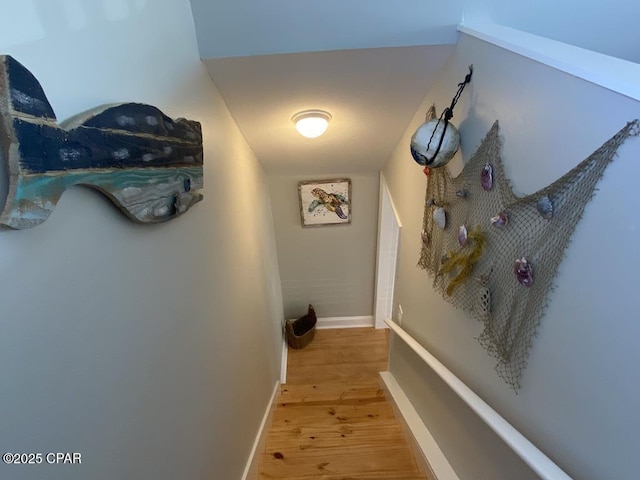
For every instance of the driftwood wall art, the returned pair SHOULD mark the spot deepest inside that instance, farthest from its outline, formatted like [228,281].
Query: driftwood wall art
[149,165]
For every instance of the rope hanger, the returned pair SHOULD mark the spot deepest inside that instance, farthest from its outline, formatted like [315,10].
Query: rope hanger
[447,115]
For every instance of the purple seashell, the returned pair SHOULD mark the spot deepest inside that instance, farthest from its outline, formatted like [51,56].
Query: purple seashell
[500,220]
[545,207]
[425,238]
[524,271]
[462,235]
[486,177]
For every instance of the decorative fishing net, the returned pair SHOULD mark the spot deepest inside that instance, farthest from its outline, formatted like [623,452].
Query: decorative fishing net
[479,277]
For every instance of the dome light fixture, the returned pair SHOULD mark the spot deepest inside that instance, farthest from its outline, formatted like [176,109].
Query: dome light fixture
[311,123]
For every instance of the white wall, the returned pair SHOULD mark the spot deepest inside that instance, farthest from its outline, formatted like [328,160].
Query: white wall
[331,267]
[285,26]
[255,27]
[151,350]
[579,397]
[604,26]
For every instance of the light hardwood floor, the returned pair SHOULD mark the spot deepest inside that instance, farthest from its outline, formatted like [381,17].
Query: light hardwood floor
[332,421]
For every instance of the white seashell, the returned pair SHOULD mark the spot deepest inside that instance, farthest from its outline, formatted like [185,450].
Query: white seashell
[545,207]
[440,217]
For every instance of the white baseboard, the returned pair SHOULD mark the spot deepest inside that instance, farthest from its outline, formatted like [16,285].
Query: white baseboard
[345,322]
[283,365]
[429,457]
[251,468]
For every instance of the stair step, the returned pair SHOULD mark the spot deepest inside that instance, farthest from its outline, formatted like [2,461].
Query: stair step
[321,436]
[355,372]
[300,415]
[409,475]
[339,462]
[326,392]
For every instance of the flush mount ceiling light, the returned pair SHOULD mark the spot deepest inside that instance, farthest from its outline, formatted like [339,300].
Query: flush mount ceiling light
[311,123]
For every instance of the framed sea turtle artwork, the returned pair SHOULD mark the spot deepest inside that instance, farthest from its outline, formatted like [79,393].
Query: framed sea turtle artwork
[325,202]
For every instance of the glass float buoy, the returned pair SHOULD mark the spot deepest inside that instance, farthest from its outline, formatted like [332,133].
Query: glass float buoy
[425,141]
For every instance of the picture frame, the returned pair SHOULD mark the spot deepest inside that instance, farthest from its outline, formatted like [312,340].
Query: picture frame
[325,202]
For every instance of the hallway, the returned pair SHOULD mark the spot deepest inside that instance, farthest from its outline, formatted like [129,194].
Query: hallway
[332,420]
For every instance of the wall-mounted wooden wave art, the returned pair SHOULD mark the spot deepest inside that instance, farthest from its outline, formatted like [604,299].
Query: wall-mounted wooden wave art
[149,165]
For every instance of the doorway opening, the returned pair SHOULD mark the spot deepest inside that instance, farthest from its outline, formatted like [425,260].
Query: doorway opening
[388,243]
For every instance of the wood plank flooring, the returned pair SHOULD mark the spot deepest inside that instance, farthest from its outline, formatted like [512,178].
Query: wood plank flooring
[332,421]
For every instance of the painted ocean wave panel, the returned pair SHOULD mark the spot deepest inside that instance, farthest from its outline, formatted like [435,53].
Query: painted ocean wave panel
[144,195]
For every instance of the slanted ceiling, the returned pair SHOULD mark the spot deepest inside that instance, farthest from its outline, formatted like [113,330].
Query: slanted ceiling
[371,94]
[370,63]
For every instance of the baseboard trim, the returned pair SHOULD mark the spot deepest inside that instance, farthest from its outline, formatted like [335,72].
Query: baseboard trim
[345,322]
[283,365]
[430,459]
[251,468]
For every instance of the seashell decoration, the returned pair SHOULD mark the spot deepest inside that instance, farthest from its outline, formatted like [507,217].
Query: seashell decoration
[486,177]
[462,235]
[545,207]
[523,271]
[440,217]
[431,202]
[432,131]
[425,238]
[462,193]
[500,220]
